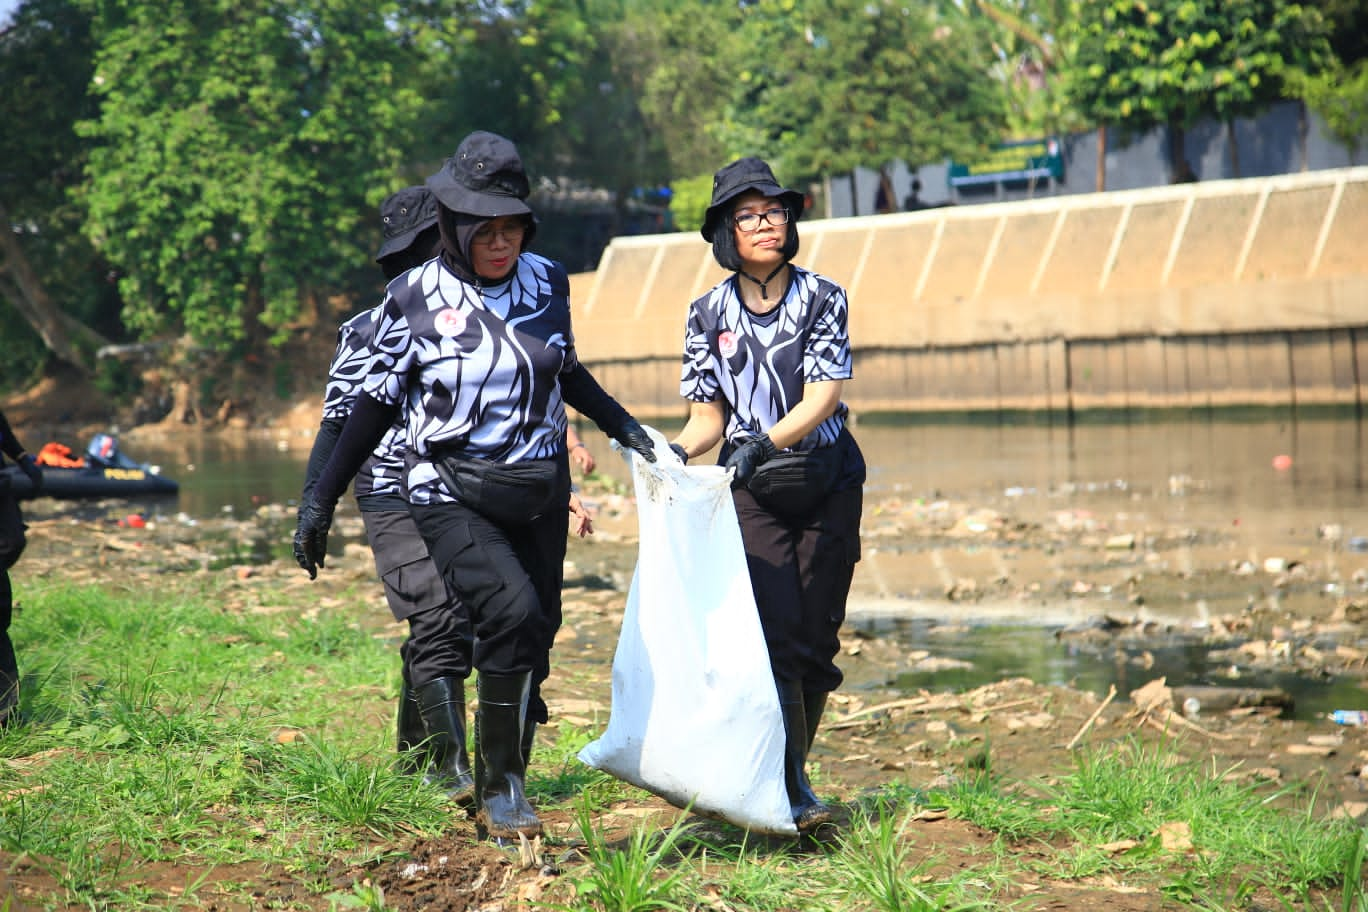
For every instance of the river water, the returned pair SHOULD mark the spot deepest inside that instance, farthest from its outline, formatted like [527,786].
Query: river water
[1272,481]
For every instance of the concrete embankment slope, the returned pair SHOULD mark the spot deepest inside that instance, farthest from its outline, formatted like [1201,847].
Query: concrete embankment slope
[1249,292]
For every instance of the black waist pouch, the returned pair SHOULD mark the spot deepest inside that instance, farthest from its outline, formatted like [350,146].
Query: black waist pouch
[792,485]
[509,493]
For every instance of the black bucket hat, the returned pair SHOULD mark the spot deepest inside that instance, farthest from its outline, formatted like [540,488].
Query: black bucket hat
[735,179]
[403,216]
[483,178]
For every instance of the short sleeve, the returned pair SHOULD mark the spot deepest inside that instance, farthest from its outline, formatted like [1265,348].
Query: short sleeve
[390,355]
[827,354]
[698,380]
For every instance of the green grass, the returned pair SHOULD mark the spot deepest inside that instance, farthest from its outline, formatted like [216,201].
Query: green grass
[158,720]
[1224,831]
[165,729]
[876,869]
[643,875]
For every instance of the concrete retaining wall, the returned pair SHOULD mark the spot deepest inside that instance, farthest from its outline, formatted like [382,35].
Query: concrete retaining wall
[1218,293]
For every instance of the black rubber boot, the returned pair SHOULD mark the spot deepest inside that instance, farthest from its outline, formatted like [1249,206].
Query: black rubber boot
[529,737]
[808,810]
[814,704]
[9,679]
[412,734]
[502,808]
[9,701]
[441,703]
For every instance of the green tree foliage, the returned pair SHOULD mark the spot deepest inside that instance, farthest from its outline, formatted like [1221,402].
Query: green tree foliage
[1145,63]
[1348,21]
[240,149]
[690,202]
[1339,95]
[45,63]
[835,84]
[563,79]
[229,153]
[1031,44]
[687,95]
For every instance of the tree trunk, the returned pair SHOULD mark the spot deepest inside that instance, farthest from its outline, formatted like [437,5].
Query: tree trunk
[61,333]
[1234,149]
[1101,159]
[887,200]
[185,405]
[1181,172]
[1303,131]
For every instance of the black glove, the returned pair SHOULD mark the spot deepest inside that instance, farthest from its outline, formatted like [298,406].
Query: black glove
[30,467]
[746,458]
[311,534]
[634,437]
[682,453]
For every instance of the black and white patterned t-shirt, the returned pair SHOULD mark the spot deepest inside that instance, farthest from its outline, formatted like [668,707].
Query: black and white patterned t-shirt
[757,365]
[474,368]
[382,473]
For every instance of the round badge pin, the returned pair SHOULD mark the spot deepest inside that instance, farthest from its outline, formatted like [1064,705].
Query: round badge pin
[449,323]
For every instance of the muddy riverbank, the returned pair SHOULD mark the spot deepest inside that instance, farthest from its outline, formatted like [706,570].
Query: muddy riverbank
[1113,582]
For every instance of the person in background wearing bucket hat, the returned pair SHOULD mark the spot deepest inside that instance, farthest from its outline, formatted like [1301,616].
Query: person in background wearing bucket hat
[435,659]
[12,542]
[475,349]
[766,352]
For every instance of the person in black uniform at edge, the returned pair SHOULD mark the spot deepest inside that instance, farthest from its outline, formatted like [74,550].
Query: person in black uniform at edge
[475,348]
[12,542]
[766,352]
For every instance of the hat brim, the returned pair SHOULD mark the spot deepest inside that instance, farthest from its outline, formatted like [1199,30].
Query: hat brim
[402,242]
[792,199]
[459,198]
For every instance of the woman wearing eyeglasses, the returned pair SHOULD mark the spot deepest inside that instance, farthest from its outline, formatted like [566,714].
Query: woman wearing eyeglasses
[475,348]
[766,352]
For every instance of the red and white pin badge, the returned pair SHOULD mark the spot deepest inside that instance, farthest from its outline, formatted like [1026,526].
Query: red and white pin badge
[449,323]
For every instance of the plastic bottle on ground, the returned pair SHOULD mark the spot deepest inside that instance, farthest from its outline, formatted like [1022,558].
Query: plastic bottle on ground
[1350,716]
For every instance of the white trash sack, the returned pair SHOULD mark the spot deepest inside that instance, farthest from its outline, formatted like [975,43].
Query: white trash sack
[695,718]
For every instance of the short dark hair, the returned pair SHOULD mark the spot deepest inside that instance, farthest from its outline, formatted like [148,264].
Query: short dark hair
[724,242]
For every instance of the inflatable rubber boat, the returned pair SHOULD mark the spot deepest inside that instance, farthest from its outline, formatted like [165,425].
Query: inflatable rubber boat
[104,471]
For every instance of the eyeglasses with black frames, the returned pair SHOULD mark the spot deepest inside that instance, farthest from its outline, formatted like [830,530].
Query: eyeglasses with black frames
[511,234]
[750,221]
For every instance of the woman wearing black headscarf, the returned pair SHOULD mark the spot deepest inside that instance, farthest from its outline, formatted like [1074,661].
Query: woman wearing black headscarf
[476,348]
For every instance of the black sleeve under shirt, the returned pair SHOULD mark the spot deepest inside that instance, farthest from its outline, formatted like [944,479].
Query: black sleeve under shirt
[365,428]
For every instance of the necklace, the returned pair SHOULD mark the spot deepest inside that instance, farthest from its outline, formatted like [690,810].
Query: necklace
[763,283]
